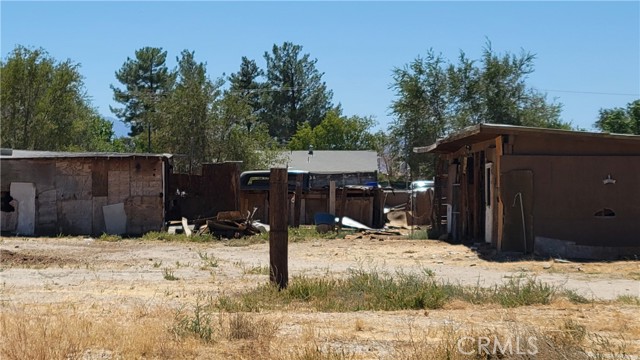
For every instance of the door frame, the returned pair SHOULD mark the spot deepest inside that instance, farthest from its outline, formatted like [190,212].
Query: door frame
[489,189]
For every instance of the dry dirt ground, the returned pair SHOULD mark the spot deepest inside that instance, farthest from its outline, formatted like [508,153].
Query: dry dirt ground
[107,280]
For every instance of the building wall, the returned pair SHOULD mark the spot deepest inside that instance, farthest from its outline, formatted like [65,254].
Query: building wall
[71,192]
[217,189]
[544,144]
[560,178]
[569,194]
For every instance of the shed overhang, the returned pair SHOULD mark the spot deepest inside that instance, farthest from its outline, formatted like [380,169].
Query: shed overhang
[483,132]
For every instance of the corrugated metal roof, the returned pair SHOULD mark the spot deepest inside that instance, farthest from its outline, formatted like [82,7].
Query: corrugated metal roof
[331,161]
[32,154]
[483,132]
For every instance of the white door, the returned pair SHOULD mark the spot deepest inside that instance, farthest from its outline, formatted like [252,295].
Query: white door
[25,195]
[488,202]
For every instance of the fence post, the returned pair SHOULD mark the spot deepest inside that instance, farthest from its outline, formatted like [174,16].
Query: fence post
[279,232]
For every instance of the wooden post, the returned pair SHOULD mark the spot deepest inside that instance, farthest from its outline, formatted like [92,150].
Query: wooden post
[498,175]
[279,233]
[343,206]
[378,208]
[332,197]
[298,201]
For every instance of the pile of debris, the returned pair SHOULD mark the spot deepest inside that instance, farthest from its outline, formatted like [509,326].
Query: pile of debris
[226,224]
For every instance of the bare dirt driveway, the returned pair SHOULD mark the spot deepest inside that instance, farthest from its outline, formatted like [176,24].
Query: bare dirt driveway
[107,280]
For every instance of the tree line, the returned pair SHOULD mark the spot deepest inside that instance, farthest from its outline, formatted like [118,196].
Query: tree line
[254,113]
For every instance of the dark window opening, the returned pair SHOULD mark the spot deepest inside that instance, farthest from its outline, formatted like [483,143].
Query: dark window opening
[606,212]
[5,201]
[470,170]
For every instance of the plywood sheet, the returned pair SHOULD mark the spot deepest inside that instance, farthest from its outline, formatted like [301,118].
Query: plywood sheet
[73,179]
[146,177]
[100,177]
[145,213]
[115,219]
[39,172]
[118,190]
[116,164]
[75,216]
[25,195]
[47,219]
[98,226]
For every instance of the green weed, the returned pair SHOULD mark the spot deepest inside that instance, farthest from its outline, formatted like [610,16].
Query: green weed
[107,237]
[167,273]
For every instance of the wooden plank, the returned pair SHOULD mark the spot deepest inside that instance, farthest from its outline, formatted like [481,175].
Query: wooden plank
[144,214]
[475,188]
[39,172]
[368,211]
[343,206]
[290,204]
[464,200]
[185,227]
[119,164]
[99,177]
[119,189]
[378,209]
[498,186]
[73,179]
[97,224]
[47,211]
[145,177]
[332,197]
[75,217]
[297,201]
[312,196]
[278,235]
[73,167]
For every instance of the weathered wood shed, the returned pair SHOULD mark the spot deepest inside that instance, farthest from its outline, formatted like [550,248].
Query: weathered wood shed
[552,192]
[83,193]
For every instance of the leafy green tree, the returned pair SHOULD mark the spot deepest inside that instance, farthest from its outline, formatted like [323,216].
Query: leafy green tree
[146,80]
[185,115]
[466,90]
[238,136]
[505,94]
[246,90]
[493,90]
[44,106]
[620,120]
[389,155]
[420,109]
[336,132]
[94,133]
[296,92]
[434,97]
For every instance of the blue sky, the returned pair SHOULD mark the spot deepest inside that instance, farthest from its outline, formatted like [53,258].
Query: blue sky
[588,53]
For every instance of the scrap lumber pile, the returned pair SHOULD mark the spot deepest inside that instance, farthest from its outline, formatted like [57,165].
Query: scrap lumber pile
[226,224]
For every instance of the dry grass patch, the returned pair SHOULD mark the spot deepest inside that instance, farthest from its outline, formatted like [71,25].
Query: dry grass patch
[53,333]
[197,331]
[570,341]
